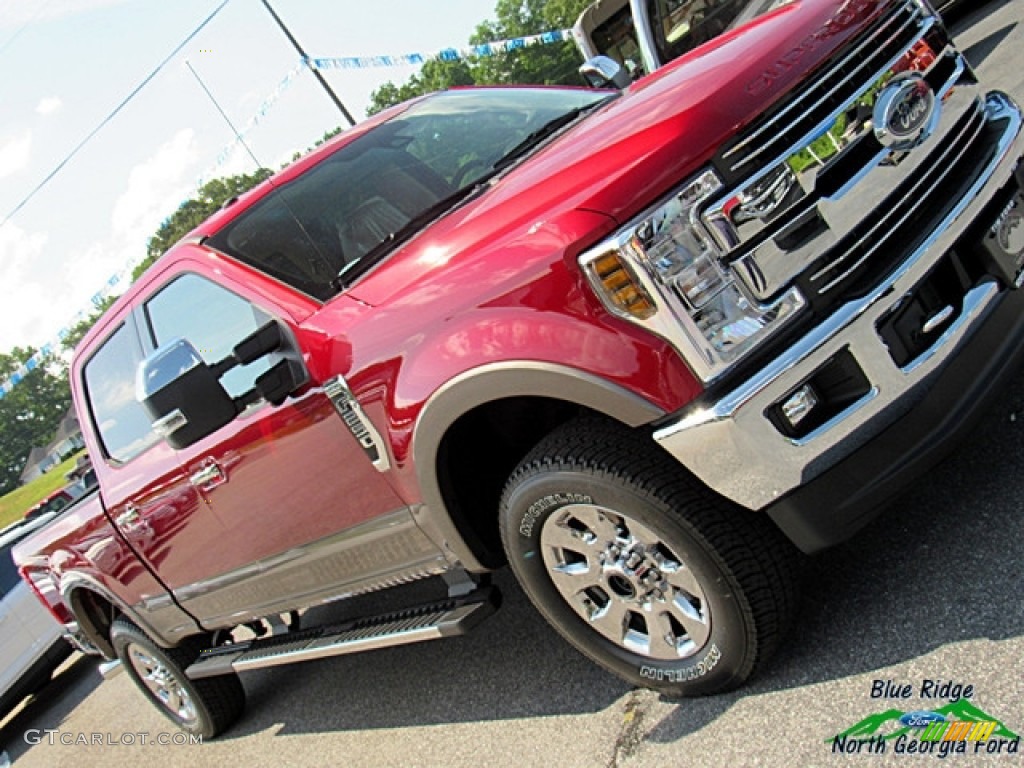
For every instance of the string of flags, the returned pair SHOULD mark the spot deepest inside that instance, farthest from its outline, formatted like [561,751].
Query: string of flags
[346,62]
[123,275]
[447,54]
[265,107]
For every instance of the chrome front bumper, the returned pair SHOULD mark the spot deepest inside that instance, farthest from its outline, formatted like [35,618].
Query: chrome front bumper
[738,452]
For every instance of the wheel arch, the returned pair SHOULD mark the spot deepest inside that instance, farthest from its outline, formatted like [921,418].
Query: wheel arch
[498,411]
[95,609]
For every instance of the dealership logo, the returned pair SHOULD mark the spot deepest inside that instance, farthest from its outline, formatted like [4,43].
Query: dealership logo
[905,112]
[922,719]
[957,727]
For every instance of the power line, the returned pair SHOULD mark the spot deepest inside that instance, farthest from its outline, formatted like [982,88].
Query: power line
[223,113]
[305,57]
[23,27]
[113,114]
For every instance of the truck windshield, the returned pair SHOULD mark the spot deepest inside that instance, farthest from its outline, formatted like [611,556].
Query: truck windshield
[322,229]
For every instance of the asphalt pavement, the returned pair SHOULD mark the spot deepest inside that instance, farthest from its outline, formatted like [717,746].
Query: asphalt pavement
[929,597]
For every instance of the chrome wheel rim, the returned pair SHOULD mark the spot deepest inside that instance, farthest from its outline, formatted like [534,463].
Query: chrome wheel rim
[163,684]
[624,581]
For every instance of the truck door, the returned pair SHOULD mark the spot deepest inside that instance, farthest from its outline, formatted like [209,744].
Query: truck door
[292,510]
[149,501]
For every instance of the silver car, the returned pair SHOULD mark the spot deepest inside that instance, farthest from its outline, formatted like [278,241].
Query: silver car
[31,646]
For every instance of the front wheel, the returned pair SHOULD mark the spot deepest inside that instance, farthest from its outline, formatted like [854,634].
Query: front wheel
[202,707]
[640,567]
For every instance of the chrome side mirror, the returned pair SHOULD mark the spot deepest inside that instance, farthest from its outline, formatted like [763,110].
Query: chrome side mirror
[182,394]
[184,397]
[605,72]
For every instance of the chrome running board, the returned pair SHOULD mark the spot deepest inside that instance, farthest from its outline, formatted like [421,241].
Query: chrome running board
[433,621]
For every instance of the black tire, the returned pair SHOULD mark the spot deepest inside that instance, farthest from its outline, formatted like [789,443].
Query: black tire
[203,707]
[593,490]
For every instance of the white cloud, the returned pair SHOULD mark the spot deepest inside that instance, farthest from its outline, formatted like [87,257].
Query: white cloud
[48,105]
[25,297]
[156,187]
[237,162]
[38,297]
[41,291]
[16,13]
[15,153]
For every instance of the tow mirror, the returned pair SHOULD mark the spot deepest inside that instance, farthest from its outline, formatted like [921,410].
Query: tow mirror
[284,377]
[260,343]
[182,394]
[185,399]
[604,72]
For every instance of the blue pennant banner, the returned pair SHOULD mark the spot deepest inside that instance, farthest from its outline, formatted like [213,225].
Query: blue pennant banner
[447,54]
[349,62]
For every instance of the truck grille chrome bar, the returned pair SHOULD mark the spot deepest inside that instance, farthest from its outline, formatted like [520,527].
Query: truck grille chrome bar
[886,40]
[908,211]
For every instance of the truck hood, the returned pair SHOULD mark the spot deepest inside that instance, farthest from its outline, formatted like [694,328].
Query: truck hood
[626,155]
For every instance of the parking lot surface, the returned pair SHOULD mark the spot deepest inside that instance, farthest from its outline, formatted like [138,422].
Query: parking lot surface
[928,597]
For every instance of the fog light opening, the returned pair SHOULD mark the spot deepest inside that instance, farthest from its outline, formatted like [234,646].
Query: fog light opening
[798,406]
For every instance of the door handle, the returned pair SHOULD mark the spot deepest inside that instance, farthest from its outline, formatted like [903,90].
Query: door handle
[129,518]
[208,476]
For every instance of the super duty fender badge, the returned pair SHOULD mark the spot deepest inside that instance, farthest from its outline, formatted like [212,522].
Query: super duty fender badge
[358,423]
[701,668]
[542,505]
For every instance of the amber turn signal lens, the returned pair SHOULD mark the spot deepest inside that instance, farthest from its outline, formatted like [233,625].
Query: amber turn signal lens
[621,288]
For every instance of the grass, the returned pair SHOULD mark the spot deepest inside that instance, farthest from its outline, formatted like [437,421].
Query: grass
[14,505]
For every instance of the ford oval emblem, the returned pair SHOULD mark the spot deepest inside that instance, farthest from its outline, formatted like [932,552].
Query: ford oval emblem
[921,718]
[905,112]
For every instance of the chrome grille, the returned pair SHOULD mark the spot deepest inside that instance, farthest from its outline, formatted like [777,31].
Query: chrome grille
[875,247]
[803,114]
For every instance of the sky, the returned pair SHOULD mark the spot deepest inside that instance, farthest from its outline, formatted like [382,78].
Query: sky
[66,64]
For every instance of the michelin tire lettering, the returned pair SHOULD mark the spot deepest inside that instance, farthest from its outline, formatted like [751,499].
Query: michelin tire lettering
[541,506]
[698,670]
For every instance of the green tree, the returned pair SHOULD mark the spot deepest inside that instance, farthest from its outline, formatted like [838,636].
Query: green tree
[77,332]
[328,135]
[30,412]
[435,75]
[552,63]
[547,64]
[562,14]
[190,214]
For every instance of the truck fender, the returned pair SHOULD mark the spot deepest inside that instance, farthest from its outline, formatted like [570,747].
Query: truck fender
[71,588]
[490,383]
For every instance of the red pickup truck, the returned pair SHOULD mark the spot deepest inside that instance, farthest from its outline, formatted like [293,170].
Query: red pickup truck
[52,503]
[644,347]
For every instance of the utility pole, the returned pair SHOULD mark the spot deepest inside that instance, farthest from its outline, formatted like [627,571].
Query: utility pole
[316,73]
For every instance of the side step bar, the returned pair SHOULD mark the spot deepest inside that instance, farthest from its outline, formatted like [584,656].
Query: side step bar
[427,622]
[111,669]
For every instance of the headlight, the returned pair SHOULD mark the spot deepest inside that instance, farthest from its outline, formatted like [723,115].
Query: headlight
[664,273]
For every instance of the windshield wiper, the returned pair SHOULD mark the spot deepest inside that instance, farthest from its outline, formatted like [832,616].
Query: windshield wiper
[543,133]
[356,267]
